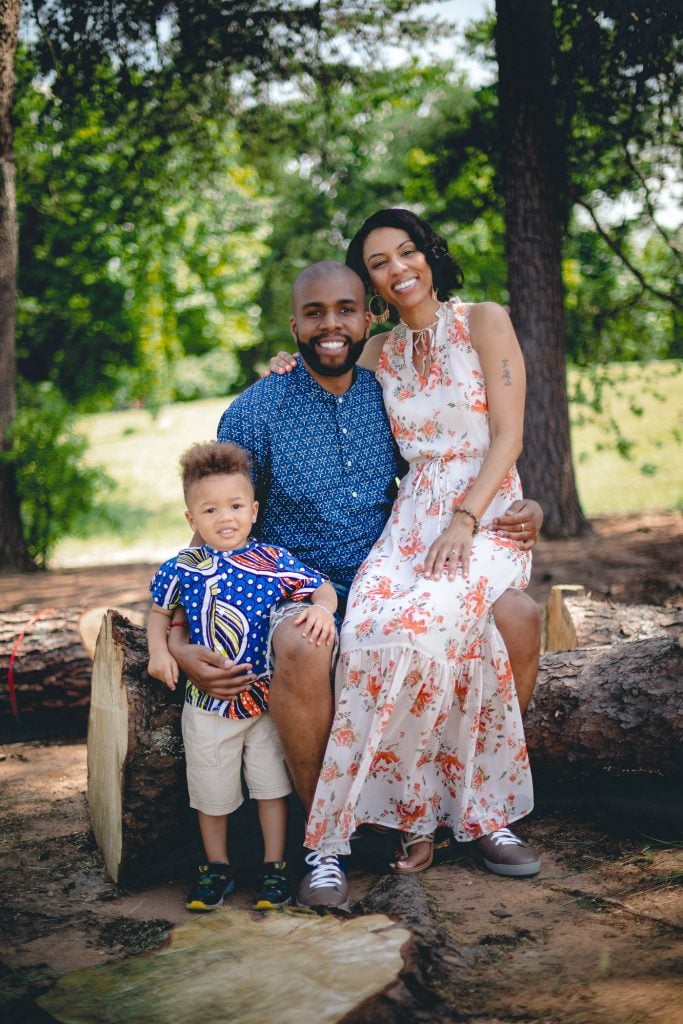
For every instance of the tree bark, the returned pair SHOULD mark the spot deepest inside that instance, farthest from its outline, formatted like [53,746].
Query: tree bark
[573,619]
[51,653]
[613,709]
[13,551]
[50,666]
[533,178]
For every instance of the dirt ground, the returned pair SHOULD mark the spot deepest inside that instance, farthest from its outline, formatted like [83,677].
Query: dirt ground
[595,938]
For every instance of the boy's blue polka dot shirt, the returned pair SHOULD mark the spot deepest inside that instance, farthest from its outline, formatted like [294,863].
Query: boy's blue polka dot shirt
[227,596]
[325,466]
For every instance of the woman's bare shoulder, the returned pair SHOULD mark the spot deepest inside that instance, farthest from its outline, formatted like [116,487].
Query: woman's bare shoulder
[488,314]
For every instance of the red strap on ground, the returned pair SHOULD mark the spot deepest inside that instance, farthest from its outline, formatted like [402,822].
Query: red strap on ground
[11,687]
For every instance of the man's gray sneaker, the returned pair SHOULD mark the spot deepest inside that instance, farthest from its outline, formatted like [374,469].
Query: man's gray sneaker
[325,883]
[504,853]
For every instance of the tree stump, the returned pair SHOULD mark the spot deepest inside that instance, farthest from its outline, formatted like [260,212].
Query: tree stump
[573,619]
[137,794]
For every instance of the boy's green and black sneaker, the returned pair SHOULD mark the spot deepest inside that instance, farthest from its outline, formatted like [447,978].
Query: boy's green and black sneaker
[272,889]
[214,882]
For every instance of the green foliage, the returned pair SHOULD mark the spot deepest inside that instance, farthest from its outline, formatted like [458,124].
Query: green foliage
[338,152]
[169,196]
[58,493]
[133,254]
[610,316]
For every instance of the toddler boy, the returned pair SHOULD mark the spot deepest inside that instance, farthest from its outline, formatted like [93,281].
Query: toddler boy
[227,584]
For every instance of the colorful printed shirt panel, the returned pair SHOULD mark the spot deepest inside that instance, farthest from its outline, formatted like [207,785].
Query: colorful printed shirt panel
[227,597]
[325,466]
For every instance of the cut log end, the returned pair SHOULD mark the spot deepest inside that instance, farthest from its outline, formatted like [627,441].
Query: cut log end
[559,632]
[573,620]
[137,793]
[107,746]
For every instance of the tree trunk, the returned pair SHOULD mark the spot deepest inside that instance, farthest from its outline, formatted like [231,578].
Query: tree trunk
[13,552]
[613,709]
[533,178]
[573,619]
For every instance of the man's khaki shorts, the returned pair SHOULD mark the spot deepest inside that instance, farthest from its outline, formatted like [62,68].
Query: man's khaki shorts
[216,751]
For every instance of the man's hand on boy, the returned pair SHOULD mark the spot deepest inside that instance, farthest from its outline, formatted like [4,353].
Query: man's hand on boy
[319,624]
[218,676]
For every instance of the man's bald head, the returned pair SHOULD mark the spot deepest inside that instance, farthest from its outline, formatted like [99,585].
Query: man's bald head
[326,271]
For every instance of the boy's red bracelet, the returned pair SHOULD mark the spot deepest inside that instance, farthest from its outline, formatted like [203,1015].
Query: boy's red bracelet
[177,622]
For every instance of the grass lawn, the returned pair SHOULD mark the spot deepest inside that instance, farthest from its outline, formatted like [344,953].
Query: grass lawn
[645,401]
[141,453]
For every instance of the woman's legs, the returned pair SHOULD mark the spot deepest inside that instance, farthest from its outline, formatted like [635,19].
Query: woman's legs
[518,621]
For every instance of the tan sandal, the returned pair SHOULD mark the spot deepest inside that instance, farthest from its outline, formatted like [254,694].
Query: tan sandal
[409,839]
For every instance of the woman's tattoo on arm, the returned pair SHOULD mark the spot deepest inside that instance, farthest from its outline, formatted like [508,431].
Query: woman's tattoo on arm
[506,376]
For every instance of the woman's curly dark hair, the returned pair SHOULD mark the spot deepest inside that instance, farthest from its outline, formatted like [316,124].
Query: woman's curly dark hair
[446,272]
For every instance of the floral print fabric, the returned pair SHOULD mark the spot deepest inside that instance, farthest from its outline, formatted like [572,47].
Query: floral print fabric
[427,729]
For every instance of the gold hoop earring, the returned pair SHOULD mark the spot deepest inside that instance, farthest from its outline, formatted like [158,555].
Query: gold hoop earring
[381,317]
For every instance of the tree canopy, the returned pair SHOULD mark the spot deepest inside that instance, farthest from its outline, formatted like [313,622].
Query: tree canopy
[178,164]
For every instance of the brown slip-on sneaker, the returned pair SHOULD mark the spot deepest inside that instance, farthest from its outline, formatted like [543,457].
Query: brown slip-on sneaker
[504,853]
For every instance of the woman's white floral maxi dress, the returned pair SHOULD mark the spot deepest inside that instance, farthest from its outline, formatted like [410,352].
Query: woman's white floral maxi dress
[427,730]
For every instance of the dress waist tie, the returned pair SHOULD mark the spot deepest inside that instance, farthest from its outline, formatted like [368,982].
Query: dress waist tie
[429,475]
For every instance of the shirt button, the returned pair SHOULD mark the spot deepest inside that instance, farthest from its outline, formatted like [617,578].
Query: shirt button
[344,430]
[340,400]
[354,494]
[348,462]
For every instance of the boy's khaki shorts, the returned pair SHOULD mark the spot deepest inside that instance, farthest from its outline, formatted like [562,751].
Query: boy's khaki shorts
[216,750]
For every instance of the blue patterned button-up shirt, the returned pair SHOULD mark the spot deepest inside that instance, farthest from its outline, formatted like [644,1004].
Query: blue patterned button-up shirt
[325,466]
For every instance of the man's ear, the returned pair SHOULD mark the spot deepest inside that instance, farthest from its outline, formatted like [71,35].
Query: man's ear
[368,323]
[292,326]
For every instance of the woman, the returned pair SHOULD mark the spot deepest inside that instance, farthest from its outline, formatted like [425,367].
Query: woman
[427,730]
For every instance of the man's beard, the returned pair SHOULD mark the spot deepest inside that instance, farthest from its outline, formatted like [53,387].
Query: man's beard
[309,353]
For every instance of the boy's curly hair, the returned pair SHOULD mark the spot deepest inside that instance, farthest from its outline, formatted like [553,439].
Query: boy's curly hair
[210,457]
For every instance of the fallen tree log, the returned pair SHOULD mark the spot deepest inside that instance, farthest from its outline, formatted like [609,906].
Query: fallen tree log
[369,968]
[51,669]
[574,619]
[50,653]
[614,709]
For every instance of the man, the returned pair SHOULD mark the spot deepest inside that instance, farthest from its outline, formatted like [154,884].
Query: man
[325,466]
